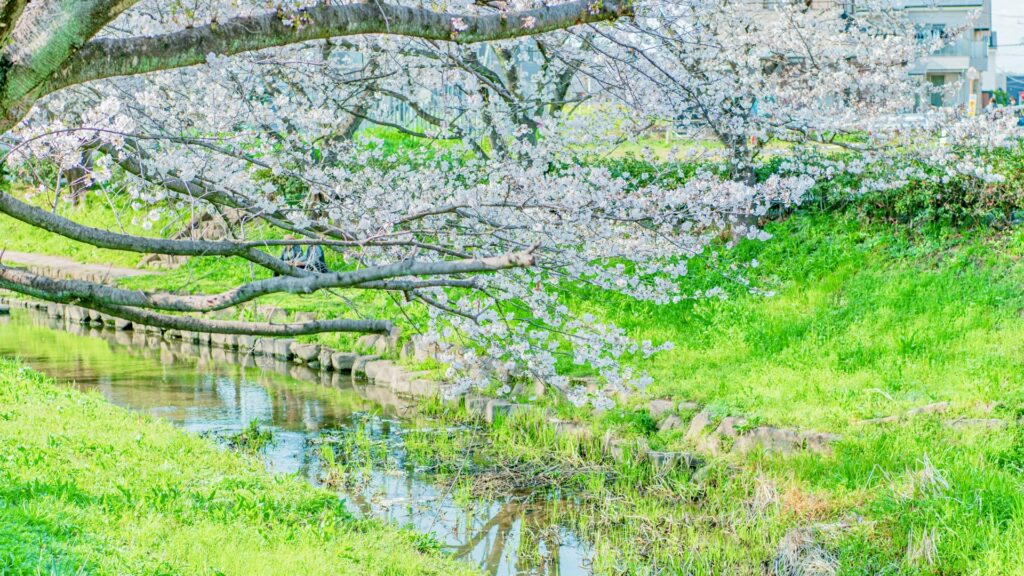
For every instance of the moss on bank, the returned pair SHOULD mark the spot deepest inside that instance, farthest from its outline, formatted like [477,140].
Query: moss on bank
[88,488]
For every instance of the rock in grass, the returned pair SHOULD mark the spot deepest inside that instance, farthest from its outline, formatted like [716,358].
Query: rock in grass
[76,314]
[672,422]
[226,341]
[407,351]
[324,358]
[497,409]
[699,423]
[567,428]
[422,387]
[281,347]
[989,423]
[385,344]
[264,346]
[359,364]
[622,449]
[820,442]
[730,427]
[768,439]
[367,341]
[379,371]
[305,317]
[935,408]
[662,461]
[881,420]
[423,351]
[400,379]
[246,342]
[272,314]
[659,408]
[711,444]
[476,405]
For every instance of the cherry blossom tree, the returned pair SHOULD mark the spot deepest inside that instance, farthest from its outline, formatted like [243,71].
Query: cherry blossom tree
[208,110]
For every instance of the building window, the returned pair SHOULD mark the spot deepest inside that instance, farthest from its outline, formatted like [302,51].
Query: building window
[930,32]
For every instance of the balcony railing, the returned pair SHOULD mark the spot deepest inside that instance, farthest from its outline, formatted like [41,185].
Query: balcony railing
[973,49]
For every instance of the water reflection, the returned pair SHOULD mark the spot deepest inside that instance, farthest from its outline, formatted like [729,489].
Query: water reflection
[218,392]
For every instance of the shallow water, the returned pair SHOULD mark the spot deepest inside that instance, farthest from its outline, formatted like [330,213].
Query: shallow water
[217,393]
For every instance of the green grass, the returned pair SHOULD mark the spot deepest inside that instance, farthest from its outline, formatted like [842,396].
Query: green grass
[87,488]
[114,215]
[868,321]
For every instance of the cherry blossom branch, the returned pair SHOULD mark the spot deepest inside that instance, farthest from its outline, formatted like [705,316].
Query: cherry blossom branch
[109,57]
[64,290]
[191,323]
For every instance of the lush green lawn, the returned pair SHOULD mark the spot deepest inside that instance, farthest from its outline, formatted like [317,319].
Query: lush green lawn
[868,321]
[87,488]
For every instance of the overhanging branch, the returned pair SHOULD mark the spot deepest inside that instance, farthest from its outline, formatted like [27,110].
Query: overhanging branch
[109,57]
[57,290]
[130,243]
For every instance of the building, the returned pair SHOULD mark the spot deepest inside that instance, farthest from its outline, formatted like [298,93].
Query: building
[967,64]
[1015,87]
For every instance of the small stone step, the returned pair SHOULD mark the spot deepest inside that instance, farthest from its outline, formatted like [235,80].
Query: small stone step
[343,361]
[658,408]
[304,353]
[359,365]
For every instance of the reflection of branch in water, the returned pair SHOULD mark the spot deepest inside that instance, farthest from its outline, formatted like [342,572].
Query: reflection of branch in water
[538,529]
[507,513]
[498,546]
[535,529]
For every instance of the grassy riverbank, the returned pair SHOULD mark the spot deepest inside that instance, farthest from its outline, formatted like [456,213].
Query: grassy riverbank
[870,319]
[87,488]
[879,309]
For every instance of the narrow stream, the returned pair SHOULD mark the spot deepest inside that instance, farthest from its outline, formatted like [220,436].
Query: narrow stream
[217,393]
